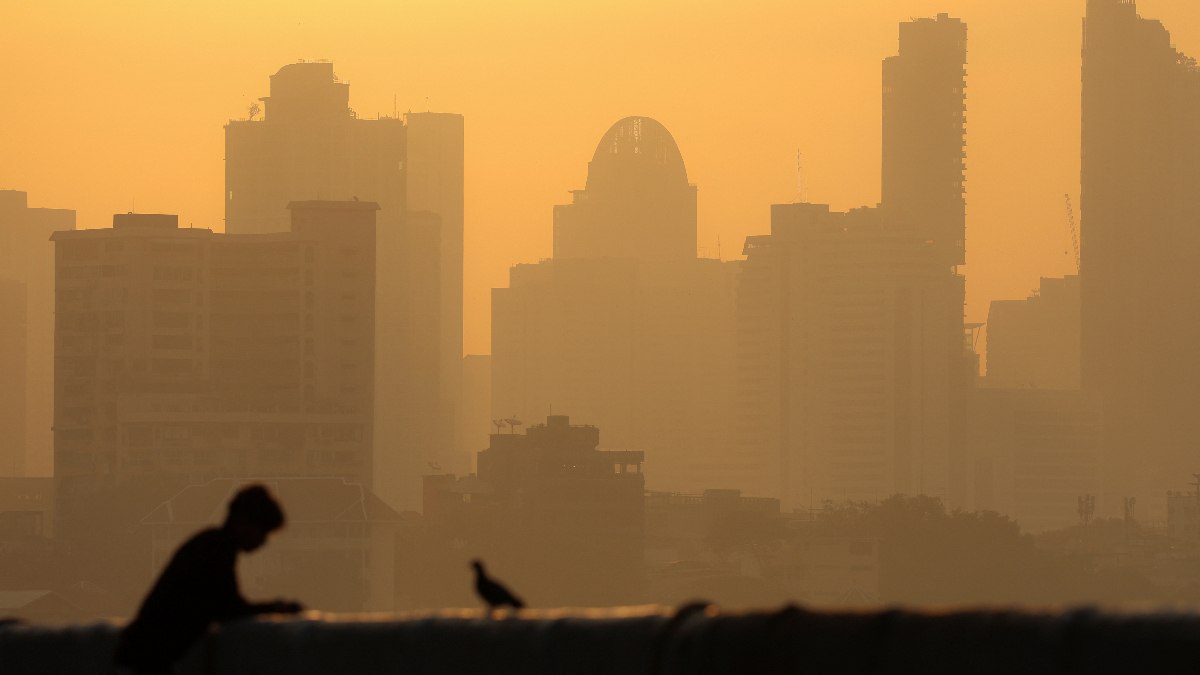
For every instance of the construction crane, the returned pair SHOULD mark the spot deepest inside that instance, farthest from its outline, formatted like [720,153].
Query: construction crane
[1074,230]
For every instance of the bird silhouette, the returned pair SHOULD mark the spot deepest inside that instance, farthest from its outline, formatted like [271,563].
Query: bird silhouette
[495,594]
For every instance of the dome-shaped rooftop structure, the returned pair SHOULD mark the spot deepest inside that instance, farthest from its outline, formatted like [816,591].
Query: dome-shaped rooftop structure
[637,147]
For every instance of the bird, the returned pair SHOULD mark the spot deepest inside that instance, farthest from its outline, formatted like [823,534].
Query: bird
[495,594]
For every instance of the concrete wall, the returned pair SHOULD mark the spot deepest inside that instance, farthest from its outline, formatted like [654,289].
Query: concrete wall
[649,641]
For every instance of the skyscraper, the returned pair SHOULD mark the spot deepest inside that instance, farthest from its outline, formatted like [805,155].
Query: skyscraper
[310,144]
[1140,281]
[625,326]
[434,184]
[637,203]
[924,131]
[27,273]
[851,356]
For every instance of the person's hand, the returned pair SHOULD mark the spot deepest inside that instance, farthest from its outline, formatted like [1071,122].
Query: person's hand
[284,607]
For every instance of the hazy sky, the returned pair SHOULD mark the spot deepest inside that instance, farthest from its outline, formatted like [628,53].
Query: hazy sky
[108,105]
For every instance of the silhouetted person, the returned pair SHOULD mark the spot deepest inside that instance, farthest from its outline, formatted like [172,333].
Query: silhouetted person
[495,594]
[199,587]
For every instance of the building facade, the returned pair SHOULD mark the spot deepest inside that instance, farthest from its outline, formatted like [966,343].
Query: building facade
[1139,278]
[336,552]
[1034,343]
[1033,453]
[182,355]
[851,359]
[27,331]
[852,362]
[924,134]
[309,144]
[625,326]
[551,513]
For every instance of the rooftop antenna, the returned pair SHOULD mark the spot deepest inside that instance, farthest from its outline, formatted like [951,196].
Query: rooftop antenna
[498,424]
[719,247]
[395,108]
[800,194]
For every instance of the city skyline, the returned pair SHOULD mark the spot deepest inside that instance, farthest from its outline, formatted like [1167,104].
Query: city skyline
[673,401]
[1022,131]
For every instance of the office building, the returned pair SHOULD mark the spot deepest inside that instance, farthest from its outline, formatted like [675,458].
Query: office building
[27,299]
[625,326]
[1139,277]
[851,359]
[183,355]
[924,134]
[309,144]
[852,355]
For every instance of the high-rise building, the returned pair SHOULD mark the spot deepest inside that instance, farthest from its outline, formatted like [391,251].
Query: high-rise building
[27,299]
[851,353]
[625,326]
[851,357]
[1140,281]
[924,130]
[309,144]
[1034,343]
[434,184]
[182,356]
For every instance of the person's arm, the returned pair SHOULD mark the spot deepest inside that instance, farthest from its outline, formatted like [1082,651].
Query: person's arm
[276,607]
[229,603]
[234,606]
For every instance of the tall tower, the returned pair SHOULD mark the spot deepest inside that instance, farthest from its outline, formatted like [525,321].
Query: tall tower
[311,145]
[924,127]
[626,328]
[1140,281]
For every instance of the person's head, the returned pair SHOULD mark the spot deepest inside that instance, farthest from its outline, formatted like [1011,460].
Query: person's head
[253,514]
[477,565]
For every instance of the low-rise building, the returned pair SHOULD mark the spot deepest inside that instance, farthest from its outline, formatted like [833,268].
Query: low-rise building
[335,553]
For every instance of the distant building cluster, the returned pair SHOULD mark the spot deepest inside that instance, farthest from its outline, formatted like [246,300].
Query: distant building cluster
[316,344]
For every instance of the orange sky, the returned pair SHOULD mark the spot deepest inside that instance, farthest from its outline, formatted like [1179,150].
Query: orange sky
[116,104]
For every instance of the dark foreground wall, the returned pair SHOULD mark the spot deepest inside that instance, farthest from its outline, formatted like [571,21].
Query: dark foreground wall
[648,641]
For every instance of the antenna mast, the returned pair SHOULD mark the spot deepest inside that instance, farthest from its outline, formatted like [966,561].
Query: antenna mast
[1074,230]
[800,177]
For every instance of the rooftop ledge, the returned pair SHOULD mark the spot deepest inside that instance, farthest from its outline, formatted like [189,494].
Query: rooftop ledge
[650,640]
